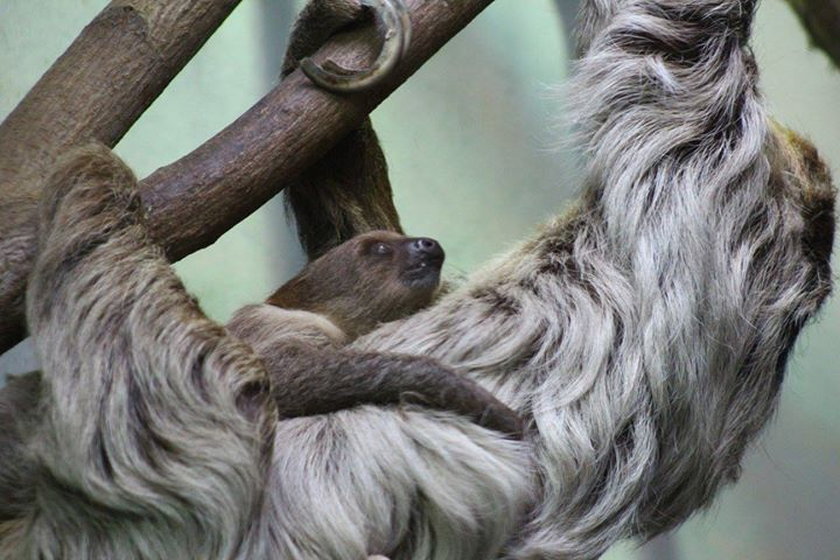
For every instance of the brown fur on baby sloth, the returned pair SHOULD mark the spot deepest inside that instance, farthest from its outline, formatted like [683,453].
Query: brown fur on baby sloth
[373,278]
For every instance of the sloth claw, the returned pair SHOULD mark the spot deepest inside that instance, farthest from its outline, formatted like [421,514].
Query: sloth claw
[392,17]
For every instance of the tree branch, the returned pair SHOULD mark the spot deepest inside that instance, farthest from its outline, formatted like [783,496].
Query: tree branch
[821,18]
[101,85]
[96,90]
[194,200]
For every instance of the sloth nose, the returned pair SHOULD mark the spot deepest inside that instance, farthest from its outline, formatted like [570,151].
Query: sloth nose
[431,249]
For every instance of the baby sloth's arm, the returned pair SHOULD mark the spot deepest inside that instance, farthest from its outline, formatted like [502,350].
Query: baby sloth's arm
[371,279]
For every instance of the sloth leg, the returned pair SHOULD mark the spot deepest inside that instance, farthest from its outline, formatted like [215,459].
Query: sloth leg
[347,191]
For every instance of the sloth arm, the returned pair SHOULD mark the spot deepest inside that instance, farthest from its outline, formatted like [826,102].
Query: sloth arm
[343,378]
[311,372]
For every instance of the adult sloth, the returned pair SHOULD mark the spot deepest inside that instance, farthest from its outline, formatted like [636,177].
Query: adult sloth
[643,335]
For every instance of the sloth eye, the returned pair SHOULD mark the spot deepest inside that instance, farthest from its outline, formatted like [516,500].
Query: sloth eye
[380,249]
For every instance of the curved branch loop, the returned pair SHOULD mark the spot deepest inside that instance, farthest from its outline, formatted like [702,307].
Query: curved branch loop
[392,18]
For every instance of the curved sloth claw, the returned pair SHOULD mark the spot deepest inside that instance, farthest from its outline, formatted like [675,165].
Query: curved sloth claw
[392,17]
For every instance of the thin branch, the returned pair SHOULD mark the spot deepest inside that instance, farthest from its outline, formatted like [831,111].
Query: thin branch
[821,18]
[97,89]
[194,200]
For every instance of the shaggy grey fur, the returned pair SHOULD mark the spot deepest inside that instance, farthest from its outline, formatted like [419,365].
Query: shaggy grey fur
[130,459]
[644,335]
[98,452]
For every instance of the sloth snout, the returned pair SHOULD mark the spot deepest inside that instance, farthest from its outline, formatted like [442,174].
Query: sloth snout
[428,248]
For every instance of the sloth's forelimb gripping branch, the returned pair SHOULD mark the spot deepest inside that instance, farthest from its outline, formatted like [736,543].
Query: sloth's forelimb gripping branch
[395,27]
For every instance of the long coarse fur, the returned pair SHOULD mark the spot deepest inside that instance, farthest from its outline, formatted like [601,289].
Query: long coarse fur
[150,432]
[645,333]
[142,449]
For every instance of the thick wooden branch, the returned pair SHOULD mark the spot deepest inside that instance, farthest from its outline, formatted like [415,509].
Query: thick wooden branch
[111,73]
[96,90]
[194,200]
[821,18]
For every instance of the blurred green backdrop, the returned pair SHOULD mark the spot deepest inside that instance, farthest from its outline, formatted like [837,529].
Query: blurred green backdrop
[477,159]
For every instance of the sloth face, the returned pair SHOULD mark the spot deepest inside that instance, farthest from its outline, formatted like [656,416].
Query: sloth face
[375,277]
[416,261]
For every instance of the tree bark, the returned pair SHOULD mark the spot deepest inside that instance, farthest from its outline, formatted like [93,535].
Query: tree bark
[101,85]
[96,90]
[821,18]
[193,201]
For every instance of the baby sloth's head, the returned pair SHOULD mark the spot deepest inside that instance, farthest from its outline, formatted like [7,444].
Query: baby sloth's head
[373,278]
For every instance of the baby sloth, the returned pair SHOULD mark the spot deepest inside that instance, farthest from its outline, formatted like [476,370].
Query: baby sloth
[371,279]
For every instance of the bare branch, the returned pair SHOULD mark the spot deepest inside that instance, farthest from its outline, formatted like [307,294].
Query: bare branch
[199,197]
[101,85]
[96,90]
[821,18]
[194,200]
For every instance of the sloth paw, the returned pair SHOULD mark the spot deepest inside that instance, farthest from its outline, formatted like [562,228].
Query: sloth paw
[321,19]
[317,22]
